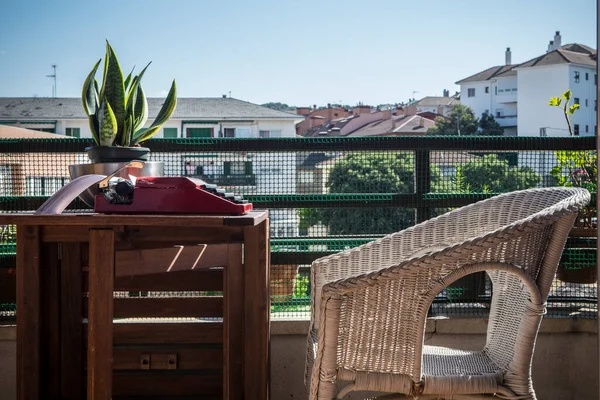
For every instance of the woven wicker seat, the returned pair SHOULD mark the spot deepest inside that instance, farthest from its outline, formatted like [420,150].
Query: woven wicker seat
[369,304]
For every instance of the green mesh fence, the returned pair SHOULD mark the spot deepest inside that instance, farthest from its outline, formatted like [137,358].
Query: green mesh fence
[327,195]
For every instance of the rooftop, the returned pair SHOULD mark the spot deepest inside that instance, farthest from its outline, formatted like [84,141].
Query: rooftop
[32,108]
[433,101]
[573,53]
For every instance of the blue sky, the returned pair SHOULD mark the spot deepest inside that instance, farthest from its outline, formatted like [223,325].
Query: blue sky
[296,52]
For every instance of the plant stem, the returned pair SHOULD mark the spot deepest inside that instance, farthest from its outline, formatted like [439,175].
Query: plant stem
[567,118]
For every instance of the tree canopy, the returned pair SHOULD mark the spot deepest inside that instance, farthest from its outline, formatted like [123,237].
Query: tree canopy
[492,174]
[462,117]
[368,173]
[278,106]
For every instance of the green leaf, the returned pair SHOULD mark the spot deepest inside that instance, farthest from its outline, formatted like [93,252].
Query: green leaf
[113,90]
[126,138]
[89,95]
[163,116]
[128,79]
[573,108]
[567,95]
[140,110]
[93,121]
[133,92]
[107,122]
[554,101]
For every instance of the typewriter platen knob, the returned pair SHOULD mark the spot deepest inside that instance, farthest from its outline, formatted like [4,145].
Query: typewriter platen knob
[124,188]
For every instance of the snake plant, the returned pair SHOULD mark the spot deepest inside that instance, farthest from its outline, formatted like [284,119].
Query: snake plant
[118,110]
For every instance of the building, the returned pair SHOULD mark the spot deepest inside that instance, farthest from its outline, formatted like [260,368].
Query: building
[193,117]
[433,104]
[360,117]
[314,117]
[248,173]
[409,125]
[517,94]
[20,174]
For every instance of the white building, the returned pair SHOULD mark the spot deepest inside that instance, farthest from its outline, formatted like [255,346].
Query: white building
[517,95]
[437,105]
[249,173]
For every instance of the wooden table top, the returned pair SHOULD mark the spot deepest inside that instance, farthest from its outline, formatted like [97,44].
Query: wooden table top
[252,218]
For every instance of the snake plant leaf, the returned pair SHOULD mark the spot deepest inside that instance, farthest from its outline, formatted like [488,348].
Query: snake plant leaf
[89,95]
[132,104]
[140,110]
[163,116]
[126,138]
[93,121]
[132,92]
[107,122]
[128,79]
[113,90]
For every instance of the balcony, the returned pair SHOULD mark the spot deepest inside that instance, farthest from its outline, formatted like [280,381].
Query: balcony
[507,120]
[506,95]
[351,209]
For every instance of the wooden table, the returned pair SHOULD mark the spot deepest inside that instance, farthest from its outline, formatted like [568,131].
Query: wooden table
[222,351]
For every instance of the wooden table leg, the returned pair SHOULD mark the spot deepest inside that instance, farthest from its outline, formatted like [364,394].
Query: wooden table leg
[71,341]
[100,314]
[28,312]
[50,320]
[257,311]
[233,325]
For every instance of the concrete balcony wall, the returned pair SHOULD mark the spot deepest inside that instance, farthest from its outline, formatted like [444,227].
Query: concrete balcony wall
[509,120]
[565,364]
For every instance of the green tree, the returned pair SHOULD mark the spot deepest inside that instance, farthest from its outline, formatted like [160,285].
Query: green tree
[491,174]
[461,117]
[489,126]
[278,106]
[368,173]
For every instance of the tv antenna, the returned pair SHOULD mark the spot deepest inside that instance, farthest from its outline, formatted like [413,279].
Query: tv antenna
[53,76]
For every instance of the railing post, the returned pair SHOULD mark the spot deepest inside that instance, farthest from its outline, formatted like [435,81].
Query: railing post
[422,183]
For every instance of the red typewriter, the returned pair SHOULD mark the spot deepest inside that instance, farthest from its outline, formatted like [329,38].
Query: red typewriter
[167,195]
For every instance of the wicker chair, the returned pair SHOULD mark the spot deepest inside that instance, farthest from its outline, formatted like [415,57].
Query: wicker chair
[369,304]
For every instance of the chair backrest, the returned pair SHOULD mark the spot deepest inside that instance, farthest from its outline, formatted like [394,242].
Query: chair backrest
[386,307]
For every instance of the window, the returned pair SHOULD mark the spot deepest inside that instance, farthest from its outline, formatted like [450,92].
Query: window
[496,90]
[595,79]
[169,132]
[43,186]
[587,76]
[471,92]
[576,76]
[486,112]
[237,168]
[587,128]
[242,133]
[199,132]
[306,177]
[229,132]
[6,180]
[576,100]
[487,89]
[576,129]
[73,132]
[269,134]
[595,105]
[586,102]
